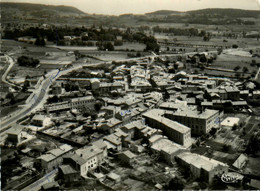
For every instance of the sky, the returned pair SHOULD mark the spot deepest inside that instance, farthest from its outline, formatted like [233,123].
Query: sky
[117,7]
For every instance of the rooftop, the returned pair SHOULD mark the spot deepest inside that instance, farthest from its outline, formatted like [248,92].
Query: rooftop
[15,130]
[167,122]
[88,152]
[200,161]
[194,113]
[82,99]
[129,154]
[67,169]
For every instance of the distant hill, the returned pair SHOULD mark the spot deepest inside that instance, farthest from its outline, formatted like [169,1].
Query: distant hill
[235,13]
[164,12]
[37,10]
[223,12]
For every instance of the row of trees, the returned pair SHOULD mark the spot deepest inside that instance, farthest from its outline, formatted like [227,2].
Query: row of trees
[27,61]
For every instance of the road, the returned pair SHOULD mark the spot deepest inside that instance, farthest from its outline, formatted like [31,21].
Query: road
[256,76]
[39,183]
[11,64]
[39,95]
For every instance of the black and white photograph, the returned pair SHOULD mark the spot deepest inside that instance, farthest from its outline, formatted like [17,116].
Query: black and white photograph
[129,95]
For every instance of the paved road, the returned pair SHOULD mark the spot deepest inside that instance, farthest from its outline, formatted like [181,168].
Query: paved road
[39,183]
[11,63]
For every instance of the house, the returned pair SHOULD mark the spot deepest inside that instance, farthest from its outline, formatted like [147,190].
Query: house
[240,162]
[127,157]
[166,148]
[53,158]
[41,120]
[51,186]
[67,174]
[114,177]
[113,142]
[56,89]
[14,134]
[256,94]
[110,125]
[93,156]
[201,166]
[77,162]
[78,103]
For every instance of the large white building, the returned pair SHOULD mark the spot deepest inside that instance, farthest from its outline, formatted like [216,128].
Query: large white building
[200,122]
[201,166]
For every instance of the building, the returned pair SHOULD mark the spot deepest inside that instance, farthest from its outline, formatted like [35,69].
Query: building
[68,174]
[201,166]
[166,148]
[41,120]
[110,125]
[56,89]
[113,142]
[240,162]
[173,130]
[93,155]
[77,162]
[200,122]
[53,158]
[127,157]
[14,134]
[75,103]
[78,103]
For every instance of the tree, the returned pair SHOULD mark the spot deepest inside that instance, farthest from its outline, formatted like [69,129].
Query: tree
[237,68]
[26,85]
[153,46]
[226,148]
[245,69]
[27,61]
[253,146]
[234,46]
[40,41]
[108,46]
[175,184]
[98,106]
[10,95]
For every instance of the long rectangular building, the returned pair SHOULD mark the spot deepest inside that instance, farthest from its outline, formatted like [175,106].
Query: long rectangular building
[200,122]
[173,130]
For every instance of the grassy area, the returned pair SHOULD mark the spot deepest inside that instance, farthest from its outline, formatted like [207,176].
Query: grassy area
[131,46]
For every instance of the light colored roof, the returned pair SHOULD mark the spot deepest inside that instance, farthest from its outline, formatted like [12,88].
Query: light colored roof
[230,121]
[194,113]
[113,139]
[15,130]
[47,157]
[200,161]
[113,176]
[240,160]
[167,122]
[82,99]
[155,138]
[129,154]
[100,144]
[89,152]
[38,117]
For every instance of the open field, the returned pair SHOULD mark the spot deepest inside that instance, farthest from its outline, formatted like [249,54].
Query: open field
[131,46]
